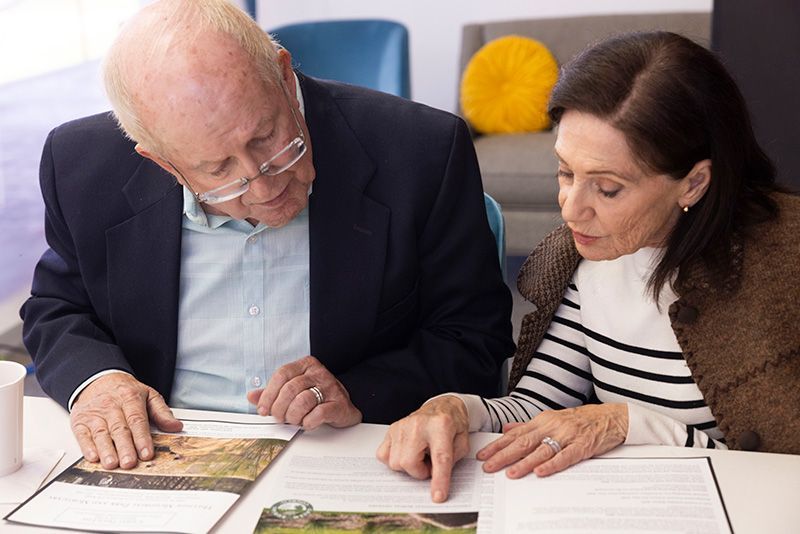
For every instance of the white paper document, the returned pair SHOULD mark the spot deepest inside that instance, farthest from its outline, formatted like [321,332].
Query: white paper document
[195,477]
[36,465]
[617,495]
[358,493]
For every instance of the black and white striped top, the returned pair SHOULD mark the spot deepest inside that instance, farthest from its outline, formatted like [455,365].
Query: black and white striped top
[610,338]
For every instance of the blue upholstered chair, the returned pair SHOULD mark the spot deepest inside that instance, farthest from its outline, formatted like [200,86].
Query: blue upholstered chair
[495,215]
[370,53]
[251,8]
[496,223]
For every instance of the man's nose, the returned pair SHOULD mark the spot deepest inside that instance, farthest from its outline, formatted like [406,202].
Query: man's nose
[251,165]
[262,187]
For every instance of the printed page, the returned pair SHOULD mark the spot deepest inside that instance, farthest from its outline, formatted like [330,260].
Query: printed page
[194,478]
[358,493]
[618,495]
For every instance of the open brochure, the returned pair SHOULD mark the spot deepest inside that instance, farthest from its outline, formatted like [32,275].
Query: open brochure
[329,480]
[195,476]
[617,495]
[324,493]
[359,494]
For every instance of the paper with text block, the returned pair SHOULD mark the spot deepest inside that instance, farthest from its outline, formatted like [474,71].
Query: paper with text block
[618,495]
[194,478]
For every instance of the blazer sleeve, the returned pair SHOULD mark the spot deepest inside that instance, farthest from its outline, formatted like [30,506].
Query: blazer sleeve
[463,331]
[67,340]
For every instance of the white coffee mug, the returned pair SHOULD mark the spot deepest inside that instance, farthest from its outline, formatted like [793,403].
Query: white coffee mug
[12,380]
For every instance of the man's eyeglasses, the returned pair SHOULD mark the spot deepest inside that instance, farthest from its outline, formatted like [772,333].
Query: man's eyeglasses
[280,162]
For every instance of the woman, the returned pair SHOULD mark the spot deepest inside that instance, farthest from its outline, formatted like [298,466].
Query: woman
[670,295]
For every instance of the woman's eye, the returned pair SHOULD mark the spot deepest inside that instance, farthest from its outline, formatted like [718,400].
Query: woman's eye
[565,174]
[609,194]
[608,188]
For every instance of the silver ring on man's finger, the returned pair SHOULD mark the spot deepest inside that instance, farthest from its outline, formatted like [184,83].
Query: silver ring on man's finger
[553,444]
[318,394]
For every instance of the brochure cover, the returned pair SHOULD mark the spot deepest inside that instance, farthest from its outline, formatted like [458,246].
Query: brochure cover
[194,478]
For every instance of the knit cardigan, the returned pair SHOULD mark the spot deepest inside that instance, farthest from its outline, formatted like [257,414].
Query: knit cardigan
[740,337]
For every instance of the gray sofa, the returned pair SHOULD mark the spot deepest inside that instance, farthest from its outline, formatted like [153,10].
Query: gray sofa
[519,170]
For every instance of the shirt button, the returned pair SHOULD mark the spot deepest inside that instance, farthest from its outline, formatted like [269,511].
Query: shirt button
[256,381]
[252,239]
[254,310]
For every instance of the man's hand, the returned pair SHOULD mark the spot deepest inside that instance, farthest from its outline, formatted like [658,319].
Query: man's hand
[110,420]
[428,443]
[288,396]
[581,433]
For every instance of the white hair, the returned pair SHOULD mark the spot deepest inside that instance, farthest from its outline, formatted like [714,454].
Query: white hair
[167,27]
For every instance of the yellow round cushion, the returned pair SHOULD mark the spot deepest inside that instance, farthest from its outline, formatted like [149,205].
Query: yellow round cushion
[507,84]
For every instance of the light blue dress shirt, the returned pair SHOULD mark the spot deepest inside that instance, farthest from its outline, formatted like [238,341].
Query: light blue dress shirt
[243,309]
[244,305]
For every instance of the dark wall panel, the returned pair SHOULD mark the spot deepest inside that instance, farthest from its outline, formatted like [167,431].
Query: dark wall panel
[759,40]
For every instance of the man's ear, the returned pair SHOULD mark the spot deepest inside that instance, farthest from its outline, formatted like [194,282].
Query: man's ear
[287,73]
[161,162]
[696,183]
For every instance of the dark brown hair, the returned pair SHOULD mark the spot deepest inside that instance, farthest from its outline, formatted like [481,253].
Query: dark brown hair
[677,105]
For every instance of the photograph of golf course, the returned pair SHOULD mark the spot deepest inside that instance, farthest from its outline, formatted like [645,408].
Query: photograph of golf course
[184,462]
[374,523]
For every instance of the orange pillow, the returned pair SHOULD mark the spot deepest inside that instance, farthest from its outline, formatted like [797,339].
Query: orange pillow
[507,84]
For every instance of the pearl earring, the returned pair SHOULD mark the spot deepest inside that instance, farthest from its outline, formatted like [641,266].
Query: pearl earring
[686,209]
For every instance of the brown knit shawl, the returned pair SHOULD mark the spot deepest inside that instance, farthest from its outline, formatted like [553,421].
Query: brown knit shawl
[740,337]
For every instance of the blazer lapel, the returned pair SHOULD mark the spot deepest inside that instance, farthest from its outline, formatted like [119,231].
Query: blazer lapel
[143,255]
[348,234]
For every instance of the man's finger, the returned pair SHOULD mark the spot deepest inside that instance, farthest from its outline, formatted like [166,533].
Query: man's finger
[338,414]
[254,394]
[123,440]
[316,416]
[300,407]
[105,446]
[85,442]
[160,413]
[294,391]
[284,374]
[137,420]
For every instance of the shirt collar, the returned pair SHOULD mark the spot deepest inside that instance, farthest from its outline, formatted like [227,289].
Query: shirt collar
[192,208]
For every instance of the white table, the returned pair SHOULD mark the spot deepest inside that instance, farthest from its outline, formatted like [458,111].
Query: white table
[761,491]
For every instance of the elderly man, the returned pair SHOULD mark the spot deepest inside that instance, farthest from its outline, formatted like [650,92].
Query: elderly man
[213,291]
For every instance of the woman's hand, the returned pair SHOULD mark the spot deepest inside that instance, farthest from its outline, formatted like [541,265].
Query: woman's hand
[428,443]
[581,432]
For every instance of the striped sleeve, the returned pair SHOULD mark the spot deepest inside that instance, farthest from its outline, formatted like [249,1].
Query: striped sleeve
[557,377]
[648,427]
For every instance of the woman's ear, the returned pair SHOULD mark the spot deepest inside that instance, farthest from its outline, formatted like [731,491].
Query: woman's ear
[696,184]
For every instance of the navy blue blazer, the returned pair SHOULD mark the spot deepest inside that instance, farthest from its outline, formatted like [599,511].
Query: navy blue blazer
[407,299]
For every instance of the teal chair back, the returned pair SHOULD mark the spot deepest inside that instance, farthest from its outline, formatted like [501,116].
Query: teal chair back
[496,223]
[369,53]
